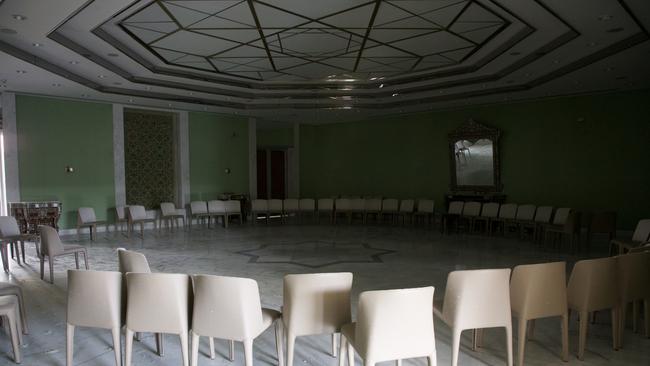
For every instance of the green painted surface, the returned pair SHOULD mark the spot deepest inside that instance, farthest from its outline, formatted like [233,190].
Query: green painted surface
[548,156]
[53,134]
[274,137]
[217,142]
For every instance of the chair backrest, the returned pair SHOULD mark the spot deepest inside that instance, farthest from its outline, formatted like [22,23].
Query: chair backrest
[633,275]
[95,299]
[526,212]
[357,204]
[573,223]
[8,226]
[644,247]
[407,206]
[291,204]
[642,231]
[275,205]
[472,209]
[136,212]
[490,209]
[543,214]
[167,209]
[317,303]
[216,207]
[561,215]
[508,211]
[456,207]
[198,207]
[86,214]
[593,284]
[130,261]
[373,204]
[343,204]
[425,205]
[232,206]
[158,302]
[395,324]
[389,205]
[120,212]
[226,307]
[307,204]
[325,204]
[538,290]
[478,298]
[50,241]
[259,205]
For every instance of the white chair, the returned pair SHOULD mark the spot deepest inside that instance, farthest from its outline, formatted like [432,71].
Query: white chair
[86,218]
[94,300]
[316,303]
[11,236]
[10,289]
[489,212]
[453,214]
[633,276]
[471,210]
[357,208]
[170,214]
[543,216]
[290,206]
[120,217]
[344,208]
[51,247]
[525,214]
[391,325]
[137,215]
[425,210]
[641,234]
[10,315]
[158,303]
[507,212]
[477,299]
[539,291]
[276,208]
[389,208]
[199,211]
[406,208]
[259,207]
[216,209]
[233,209]
[230,308]
[307,206]
[593,286]
[326,206]
[372,206]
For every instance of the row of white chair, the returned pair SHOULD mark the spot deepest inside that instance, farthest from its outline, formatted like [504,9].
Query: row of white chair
[392,324]
[348,207]
[201,210]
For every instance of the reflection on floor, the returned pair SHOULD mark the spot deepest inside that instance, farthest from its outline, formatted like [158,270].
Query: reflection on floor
[380,258]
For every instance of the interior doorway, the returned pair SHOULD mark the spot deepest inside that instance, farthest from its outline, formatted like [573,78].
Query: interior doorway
[272,173]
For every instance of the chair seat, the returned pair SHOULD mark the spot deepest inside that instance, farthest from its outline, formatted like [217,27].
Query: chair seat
[21,237]
[269,316]
[72,248]
[90,223]
[625,244]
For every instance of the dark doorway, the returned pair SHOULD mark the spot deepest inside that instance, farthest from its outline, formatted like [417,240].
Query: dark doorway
[271,173]
[262,182]
[278,174]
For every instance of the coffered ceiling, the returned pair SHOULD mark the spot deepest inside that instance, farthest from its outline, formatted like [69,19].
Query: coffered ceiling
[322,61]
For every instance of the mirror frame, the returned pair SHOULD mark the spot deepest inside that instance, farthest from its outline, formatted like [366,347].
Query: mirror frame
[473,131]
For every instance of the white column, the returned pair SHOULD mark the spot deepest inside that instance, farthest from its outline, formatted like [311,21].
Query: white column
[252,157]
[118,155]
[183,158]
[12,183]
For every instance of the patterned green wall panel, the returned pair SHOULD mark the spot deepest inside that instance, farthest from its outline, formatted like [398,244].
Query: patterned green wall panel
[149,157]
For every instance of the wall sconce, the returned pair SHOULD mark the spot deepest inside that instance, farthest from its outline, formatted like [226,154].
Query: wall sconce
[227,170]
[69,169]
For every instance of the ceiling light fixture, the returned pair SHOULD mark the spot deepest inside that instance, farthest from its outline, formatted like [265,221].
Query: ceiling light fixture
[19,17]
[102,76]
[36,44]
[130,100]
[56,84]
[73,62]
[381,86]
[21,71]
[605,18]
[395,94]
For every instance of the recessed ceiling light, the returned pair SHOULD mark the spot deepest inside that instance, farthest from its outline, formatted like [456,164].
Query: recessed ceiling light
[102,76]
[130,100]
[21,71]
[73,62]
[191,93]
[112,54]
[381,86]
[19,17]
[36,44]
[605,17]
[395,94]
[56,84]
[615,30]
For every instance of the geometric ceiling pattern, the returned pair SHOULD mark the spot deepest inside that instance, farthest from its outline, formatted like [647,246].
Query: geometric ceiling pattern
[300,40]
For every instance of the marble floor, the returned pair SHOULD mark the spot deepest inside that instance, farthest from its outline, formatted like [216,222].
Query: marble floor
[381,257]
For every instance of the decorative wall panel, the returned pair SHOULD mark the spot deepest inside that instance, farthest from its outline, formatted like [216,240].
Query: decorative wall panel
[149,157]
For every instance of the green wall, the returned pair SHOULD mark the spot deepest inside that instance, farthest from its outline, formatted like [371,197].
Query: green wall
[272,137]
[217,142]
[549,154]
[55,133]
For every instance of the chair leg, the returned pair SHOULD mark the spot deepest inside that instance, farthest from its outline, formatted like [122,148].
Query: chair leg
[159,344]
[521,341]
[76,259]
[128,347]
[248,352]
[635,316]
[343,352]
[117,345]
[42,268]
[350,354]
[184,348]
[582,334]
[69,344]
[432,360]
[231,350]
[615,321]
[23,312]
[565,337]
[279,330]
[195,349]
[509,343]
[22,247]
[334,345]
[291,341]
[455,346]
[51,263]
